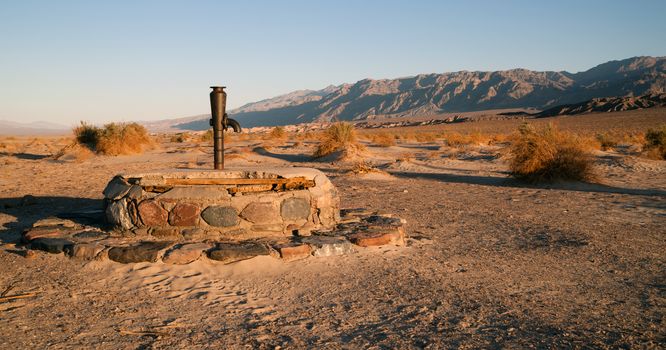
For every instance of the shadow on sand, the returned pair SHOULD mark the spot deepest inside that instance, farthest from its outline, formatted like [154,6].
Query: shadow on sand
[294,158]
[28,209]
[26,156]
[508,182]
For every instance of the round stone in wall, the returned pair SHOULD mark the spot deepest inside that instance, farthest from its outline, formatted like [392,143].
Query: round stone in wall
[152,214]
[295,208]
[220,216]
[261,213]
[184,214]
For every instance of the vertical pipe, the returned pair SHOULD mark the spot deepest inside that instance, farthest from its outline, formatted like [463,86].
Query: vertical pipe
[218,104]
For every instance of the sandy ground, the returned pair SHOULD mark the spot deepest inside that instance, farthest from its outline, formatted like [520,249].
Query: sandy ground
[491,263]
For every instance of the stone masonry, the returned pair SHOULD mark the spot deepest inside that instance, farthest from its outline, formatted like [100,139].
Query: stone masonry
[178,201]
[226,216]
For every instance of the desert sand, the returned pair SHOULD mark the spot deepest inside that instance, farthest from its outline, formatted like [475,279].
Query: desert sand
[490,262]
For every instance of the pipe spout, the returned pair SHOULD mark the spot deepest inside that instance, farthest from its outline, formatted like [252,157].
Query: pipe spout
[233,124]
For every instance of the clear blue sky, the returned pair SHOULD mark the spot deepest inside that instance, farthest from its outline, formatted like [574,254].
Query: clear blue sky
[65,61]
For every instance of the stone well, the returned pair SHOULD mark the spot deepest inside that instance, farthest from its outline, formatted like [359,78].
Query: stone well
[233,204]
[178,217]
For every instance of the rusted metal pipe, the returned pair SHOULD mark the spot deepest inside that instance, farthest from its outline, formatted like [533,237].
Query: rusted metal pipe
[220,122]
[218,104]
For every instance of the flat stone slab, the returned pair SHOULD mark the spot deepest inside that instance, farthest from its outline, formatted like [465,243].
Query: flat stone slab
[55,222]
[382,221]
[117,188]
[329,245]
[355,213]
[293,251]
[43,232]
[378,237]
[374,230]
[210,192]
[50,245]
[142,252]
[232,252]
[159,177]
[84,251]
[185,253]
[173,245]
[89,236]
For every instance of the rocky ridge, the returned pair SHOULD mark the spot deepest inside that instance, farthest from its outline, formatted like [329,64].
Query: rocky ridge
[607,104]
[431,94]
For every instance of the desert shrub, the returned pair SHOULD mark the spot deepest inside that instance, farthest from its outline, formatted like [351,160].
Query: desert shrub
[418,136]
[123,138]
[114,138]
[405,157]
[589,141]
[456,140]
[475,138]
[425,137]
[179,137]
[206,136]
[8,147]
[547,154]
[433,155]
[606,141]
[244,136]
[229,137]
[277,133]
[450,152]
[634,138]
[230,156]
[362,167]
[305,136]
[497,138]
[405,136]
[383,140]
[655,143]
[87,134]
[340,136]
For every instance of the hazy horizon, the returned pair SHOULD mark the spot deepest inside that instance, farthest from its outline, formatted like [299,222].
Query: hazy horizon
[65,62]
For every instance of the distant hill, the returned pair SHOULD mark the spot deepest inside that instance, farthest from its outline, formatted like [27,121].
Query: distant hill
[607,104]
[464,91]
[175,124]
[34,128]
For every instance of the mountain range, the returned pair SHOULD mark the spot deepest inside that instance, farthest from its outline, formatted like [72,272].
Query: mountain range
[463,91]
[430,95]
